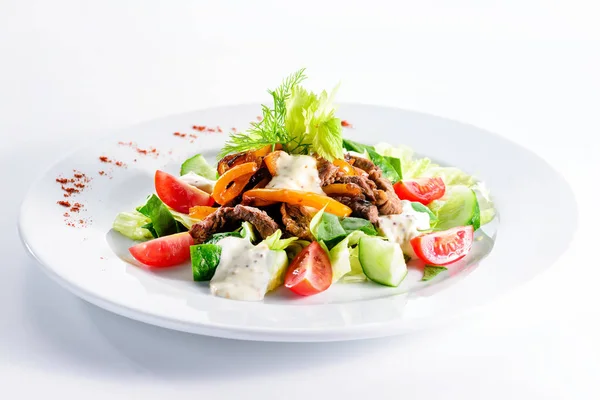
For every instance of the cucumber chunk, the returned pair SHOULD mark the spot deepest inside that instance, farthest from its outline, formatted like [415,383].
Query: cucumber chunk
[382,261]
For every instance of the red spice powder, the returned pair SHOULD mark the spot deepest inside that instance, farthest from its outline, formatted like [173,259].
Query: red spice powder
[119,163]
[219,129]
[346,124]
[80,185]
[180,134]
[69,190]
[62,180]
[102,172]
[104,159]
[199,127]
[234,129]
[211,130]
[259,118]
[63,203]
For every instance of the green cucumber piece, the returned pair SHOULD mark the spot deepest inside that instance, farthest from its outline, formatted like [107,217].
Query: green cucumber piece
[459,207]
[382,261]
[200,166]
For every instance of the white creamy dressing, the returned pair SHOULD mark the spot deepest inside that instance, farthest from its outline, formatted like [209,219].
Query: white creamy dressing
[202,183]
[243,272]
[355,154]
[401,228]
[296,172]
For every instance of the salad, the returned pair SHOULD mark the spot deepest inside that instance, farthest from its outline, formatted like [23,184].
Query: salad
[292,202]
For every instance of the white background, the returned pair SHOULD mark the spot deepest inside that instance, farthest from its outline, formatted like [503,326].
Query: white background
[71,71]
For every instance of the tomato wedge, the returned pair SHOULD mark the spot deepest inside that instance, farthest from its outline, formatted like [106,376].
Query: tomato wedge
[179,195]
[166,251]
[444,247]
[423,190]
[310,272]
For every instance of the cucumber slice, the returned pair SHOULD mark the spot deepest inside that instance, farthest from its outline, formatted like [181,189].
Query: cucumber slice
[200,166]
[459,207]
[382,261]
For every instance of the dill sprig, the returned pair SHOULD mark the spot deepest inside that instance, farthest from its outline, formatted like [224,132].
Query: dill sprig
[271,129]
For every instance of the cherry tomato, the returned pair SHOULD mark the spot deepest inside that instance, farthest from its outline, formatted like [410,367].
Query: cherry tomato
[310,272]
[444,247]
[165,251]
[179,195]
[423,190]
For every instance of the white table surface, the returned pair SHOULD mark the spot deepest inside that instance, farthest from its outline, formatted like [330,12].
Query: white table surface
[72,71]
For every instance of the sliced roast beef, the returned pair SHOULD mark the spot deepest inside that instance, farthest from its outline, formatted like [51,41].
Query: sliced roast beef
[297,221]
[365,184]
[361,208]
[226,219]
[327,171]
[388,204]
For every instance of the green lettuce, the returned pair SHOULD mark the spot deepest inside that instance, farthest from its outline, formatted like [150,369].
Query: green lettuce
[431,271]
[341,257]
[131,225]
[162,222]
[205,259]
[275,242]
[356,147]
[311,123]
[351,224]
[390,166]
[331,229]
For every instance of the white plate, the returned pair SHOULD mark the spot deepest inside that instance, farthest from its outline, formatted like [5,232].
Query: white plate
[538,217]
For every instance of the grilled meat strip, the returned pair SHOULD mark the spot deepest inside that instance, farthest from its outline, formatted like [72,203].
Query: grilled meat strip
[297,221]
[226,219]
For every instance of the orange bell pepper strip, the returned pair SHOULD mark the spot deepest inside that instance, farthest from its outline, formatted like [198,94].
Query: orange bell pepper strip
[342,189]
[271,162]
[263,151]
[298,198]
[233,181]
[201,212]
[344,166]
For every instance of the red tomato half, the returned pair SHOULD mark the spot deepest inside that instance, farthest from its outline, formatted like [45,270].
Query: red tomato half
[310,272]
[445,247]
[165,251]
[179,195]
[423,190]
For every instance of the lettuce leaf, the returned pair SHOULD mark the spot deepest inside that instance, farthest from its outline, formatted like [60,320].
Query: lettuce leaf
[351,224]
[390,166]
[184,219]
[275,242]
[205,259]
[431,271]
[341,257]
[162,222]
[311,123]
[130,224]
[326,228]
[356,147]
